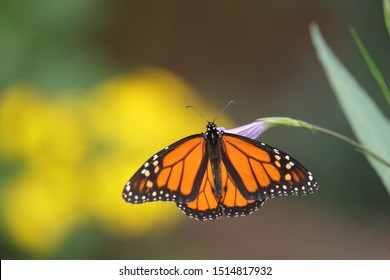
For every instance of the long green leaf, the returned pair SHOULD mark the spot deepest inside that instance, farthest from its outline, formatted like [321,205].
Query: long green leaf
[386,13]
[372,66]
[371,127]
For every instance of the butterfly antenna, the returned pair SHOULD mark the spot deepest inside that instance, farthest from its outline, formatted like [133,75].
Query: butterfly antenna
[196,110]
[224,108]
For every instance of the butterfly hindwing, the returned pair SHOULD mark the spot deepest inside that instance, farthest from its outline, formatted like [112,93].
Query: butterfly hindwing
[233,202]
[261,171]
[173,174]
[207,206]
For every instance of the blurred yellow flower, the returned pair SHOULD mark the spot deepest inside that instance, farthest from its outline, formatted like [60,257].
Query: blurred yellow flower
[39,209]
[39,130]
[74,155]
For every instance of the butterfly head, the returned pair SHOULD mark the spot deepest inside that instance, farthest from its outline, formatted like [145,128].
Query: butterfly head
[212,133]
[211,126]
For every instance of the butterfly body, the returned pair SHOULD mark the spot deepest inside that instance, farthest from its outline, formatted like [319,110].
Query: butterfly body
[213,151]
[217,173]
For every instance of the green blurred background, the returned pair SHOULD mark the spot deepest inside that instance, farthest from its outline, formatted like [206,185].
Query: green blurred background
[90,89]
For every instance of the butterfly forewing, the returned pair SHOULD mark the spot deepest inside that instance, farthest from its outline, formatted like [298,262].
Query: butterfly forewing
[173,174]
[261,171]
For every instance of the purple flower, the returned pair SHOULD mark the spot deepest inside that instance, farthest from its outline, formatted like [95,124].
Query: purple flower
[252,130]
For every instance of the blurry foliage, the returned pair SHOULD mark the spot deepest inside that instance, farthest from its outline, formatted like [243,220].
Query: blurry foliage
[47,43]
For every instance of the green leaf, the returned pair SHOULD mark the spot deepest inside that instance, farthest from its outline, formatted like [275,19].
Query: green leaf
[386,12]
[371,127]
[372,66]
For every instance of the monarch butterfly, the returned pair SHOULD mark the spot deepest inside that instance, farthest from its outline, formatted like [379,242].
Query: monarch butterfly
[217,173]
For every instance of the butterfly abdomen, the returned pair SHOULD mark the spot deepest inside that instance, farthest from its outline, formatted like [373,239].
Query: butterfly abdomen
[213,139]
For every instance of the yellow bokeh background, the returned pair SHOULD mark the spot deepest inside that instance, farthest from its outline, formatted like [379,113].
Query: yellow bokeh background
[74,152]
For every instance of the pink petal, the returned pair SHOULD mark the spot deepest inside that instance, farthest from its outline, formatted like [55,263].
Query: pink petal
[252,130]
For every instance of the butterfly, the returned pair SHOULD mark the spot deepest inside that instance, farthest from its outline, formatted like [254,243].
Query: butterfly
[217,173]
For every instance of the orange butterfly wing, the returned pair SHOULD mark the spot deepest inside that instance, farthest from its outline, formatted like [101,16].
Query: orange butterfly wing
[260,171]
[207,206]
[233,202]
[173,174]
